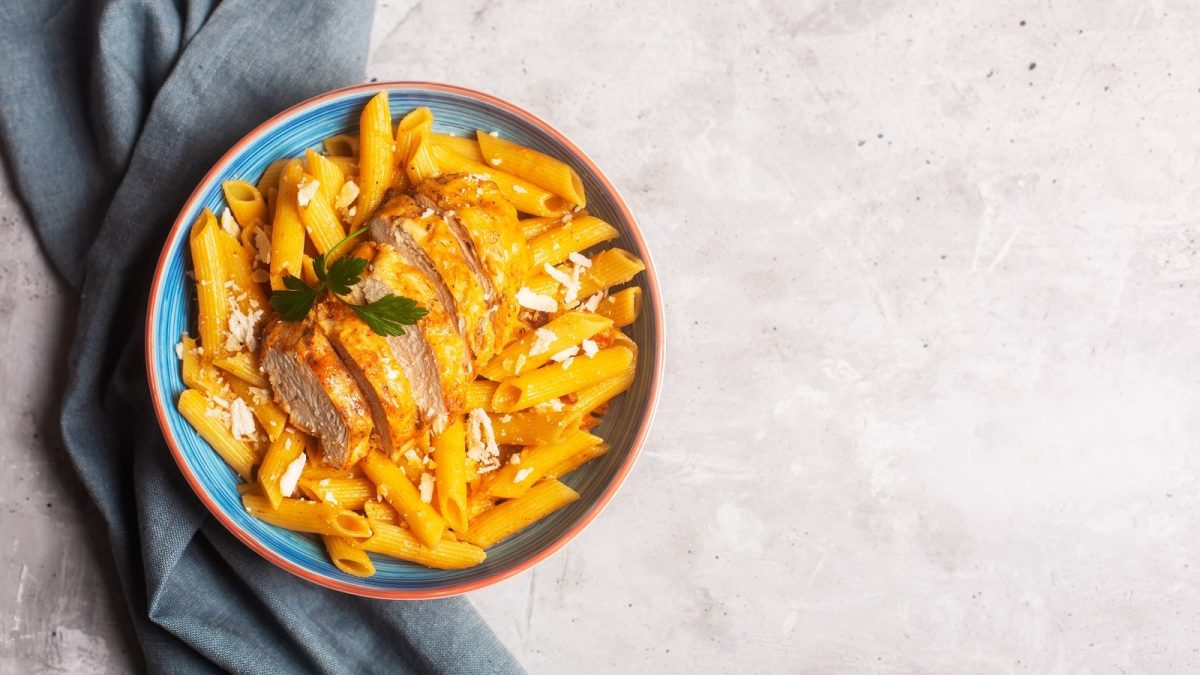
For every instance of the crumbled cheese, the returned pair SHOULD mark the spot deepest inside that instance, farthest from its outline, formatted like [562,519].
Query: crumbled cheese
[580,260]
[291,475]
[590,348]
[324,482]
[505,418]
[542,339]
[566,217]
[557,274]
[517,188]
[346,195]
[426,213]
[411,455]
[495,161]
[515,459]
[229,224]
[391,373]
[593,302]
[262,246]
[536,301]
[306,190]
[259,394]
[179,350]
[481,441]
[426,487]
[569,281]
[520,364]
[220,402]
[494,134]
[353,211]
[479,192]
[565,354]
[448,214]
[481,176]
[554,405]
[330,498]
[567,363]
[522,475]
[241,420]
[241,330]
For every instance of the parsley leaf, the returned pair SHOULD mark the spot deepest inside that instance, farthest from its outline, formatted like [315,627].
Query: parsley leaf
[386,316]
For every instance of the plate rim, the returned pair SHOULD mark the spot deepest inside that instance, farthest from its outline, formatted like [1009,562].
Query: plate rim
[650,279]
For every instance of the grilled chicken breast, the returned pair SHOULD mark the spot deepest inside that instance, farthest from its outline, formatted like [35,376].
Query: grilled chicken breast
[316,389]
[378,372]
[389,272]
[403,223]
[486,225]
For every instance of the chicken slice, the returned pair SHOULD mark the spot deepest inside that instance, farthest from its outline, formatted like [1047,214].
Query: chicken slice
[316,389]
[378,372]
[403,222]
[486,224]
[390,273]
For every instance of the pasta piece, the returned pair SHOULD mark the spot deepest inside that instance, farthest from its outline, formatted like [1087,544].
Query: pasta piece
[348,493]
[245,202]
[347,557]
[623,307]
[532,427]
[526,197]
[211,276]
[341,145]
[307,273]
[270,416]
[195,408]
[305,516]
[450,454]
[347,165]
[479,394]
[510,517]
[420,165]
[536,347]
[532,227]
[285,449]
[326,172]
[609,268]
[318,471]
[196,374]
[381,511]
[400,493]
[270,177]
[555,246]
[577,460]
[242,365]
[400,543]
[413,146]
[552,381]
[375,160]
[514,480]
[239,266]
[287,232]
[540,169]
[459,145]
[588,399]
[323,226]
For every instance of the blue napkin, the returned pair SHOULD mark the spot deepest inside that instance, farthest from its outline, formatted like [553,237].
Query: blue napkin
[110,113]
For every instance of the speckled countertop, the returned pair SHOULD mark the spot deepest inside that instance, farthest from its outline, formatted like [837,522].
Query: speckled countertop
[932,400]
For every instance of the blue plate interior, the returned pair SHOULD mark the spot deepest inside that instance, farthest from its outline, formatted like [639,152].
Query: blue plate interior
[454,114]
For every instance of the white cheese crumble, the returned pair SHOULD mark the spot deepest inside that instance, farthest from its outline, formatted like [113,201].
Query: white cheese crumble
[426,487]
[481,441]
[566,218]
[329,497]
[565,354]
[506,418]
[241,330]
[593,302]
[262,246]
[515,459]
[494,134]
[536,301]
[179,350]
[567,363]
[291,475]
[229,224]
[517,369]
[569,281]
[580,260]
[495,161]
[522,475]
[517,188]
[411,455]
[590,347]
[241,420]
[554,404]
[306,190]
[426,213]
[346,195]
[542,339]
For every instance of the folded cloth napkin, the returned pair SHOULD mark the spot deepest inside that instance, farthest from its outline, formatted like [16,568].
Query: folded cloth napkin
[110,113]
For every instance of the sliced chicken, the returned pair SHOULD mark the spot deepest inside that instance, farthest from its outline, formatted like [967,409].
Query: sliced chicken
[378,372]
[486,225]
[316,389]
[389,272]
[403,223]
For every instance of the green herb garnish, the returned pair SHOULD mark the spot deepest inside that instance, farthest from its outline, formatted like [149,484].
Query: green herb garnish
[386,316]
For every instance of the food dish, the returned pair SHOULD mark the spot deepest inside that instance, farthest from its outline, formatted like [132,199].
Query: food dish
[518,386]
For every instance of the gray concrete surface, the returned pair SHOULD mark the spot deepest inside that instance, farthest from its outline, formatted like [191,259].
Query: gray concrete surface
[933,388]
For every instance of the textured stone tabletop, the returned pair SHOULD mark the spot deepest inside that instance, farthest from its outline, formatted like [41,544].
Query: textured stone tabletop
[932,400]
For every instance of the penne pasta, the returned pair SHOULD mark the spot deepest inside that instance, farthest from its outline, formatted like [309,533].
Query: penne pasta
[537,347]
[400,543]
[287,232]
[577,460]
[622,307]
[199,411]
[450,454]
[348,557]
[479,394]
[515,479]
[465,147]
[326,172]
[248,296]
[510,517]
[527,164]
[211,276]
[588,399]
[348,493]
[375,156]
[270,177]
[245,202]
[316,212]
[609,268]
[306,516]
[554,380]
[532,227]
[341,145]
[242,365]
[526,197]
[401,494]
[532,427]
[412,146]
[197,374]
[381,511]
[554,246]
[285,449]
[270,416]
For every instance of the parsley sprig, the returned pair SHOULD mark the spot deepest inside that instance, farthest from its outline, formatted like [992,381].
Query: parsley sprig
[386,316]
